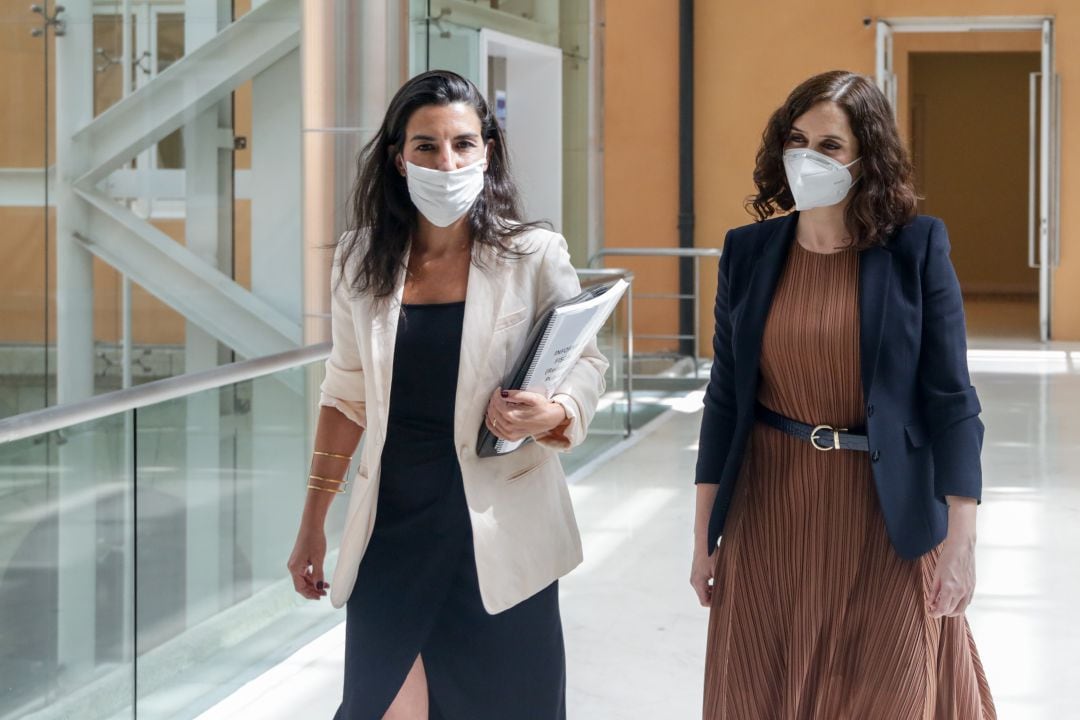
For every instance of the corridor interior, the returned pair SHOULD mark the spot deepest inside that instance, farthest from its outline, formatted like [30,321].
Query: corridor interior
[636,636]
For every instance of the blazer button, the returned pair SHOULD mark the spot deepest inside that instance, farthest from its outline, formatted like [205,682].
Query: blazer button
[875,456]
[869,411]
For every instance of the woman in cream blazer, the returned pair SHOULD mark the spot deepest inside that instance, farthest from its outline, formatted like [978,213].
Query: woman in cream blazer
[448,562]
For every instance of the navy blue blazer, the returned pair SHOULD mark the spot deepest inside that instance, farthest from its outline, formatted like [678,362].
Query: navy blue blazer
[922,413]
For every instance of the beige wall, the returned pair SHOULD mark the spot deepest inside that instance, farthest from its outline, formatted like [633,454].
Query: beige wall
[748,56]
[22,135]
[22,305]
[641,163]
[152,321]
[22,281]
[22,87]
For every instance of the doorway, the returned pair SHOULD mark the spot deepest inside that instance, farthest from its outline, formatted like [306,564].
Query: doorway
[969,138]
[523,82]
[976,101]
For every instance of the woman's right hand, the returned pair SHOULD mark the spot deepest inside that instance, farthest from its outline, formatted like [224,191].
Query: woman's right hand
[701,576]
[306,562]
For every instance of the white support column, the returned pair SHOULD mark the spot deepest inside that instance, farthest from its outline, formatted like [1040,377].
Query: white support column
[208,232]
[346,87]
[576,41]
[597,23]
[276,278]
[199,81]
[75,351]
[74,265]
[275,187]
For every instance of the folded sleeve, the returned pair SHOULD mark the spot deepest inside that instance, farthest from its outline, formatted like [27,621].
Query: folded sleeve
[580,392]
[343,385]
[950,405]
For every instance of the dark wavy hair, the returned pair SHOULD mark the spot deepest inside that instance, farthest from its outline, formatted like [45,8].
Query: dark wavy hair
[380,208]
[884,197]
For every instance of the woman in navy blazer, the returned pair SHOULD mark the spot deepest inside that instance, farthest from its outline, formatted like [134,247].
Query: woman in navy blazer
[823,605]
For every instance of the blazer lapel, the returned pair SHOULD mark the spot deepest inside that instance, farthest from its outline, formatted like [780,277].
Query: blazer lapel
[772,254]
[384,315]
[483,299]
[875,265]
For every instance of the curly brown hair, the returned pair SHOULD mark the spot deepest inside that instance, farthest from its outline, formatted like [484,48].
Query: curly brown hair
[884,197]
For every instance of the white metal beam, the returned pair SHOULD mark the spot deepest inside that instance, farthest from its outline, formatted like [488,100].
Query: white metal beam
[186,283]
[162,184]
[25,187]
[167,269]
[21,187]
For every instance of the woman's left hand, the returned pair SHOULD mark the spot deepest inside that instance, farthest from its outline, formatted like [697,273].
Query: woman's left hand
[519,414]
[954,577]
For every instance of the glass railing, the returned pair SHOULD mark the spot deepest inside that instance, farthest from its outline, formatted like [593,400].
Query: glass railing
[143,550]
[143,553]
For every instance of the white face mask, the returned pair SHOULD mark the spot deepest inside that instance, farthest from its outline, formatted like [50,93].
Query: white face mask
[816,180]
[444,196]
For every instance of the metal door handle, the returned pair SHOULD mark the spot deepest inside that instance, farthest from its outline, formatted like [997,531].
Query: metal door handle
[1033,132]
[1055,237]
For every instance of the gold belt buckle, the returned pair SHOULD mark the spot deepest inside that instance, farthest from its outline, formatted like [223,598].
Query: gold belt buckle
[836,437]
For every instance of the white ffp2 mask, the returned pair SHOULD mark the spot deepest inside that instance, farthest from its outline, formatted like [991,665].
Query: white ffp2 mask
[816,180]
[444,196]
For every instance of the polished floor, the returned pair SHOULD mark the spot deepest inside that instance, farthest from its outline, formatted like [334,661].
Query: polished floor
[636,636]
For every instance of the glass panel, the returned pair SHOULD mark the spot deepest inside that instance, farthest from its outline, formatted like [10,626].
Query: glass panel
[609,424]
[222,477]
[169,44]
[27,289]
[27,360]
[157,331]
[108,61]
[236,212]
[145,552]
[66,592]
[418,46]
[448,46]
[159,534]
[159,340]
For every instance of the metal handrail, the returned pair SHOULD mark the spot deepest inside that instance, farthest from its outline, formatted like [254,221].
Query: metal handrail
[57,417]
[38,422]
[693,253]
[594,275]
[605,273]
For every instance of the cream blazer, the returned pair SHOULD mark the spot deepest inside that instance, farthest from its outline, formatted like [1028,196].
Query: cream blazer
[524,531]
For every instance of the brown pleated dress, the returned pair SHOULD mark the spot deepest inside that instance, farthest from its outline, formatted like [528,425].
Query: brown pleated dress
[814,615]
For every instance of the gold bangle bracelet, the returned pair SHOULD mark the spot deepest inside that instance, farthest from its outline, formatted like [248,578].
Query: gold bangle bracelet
[330,454]
[329,490]
[320,477]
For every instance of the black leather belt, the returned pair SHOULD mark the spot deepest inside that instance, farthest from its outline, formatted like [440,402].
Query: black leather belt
[822,437]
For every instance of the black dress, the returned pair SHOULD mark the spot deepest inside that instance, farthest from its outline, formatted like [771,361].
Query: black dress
[416,590]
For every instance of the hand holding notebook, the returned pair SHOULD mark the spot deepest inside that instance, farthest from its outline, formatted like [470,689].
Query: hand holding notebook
[554,345]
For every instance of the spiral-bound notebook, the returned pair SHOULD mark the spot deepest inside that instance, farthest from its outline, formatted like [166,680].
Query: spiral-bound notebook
[554,344]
